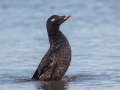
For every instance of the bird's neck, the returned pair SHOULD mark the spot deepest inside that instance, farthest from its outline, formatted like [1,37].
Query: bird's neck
[52,30]
[56,38]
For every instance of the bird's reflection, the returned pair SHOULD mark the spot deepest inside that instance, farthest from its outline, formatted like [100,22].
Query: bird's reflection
[53,85]
[64,83]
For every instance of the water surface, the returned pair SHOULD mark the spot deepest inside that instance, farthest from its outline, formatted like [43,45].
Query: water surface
[93,32]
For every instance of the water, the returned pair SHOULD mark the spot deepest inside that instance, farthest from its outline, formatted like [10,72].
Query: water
[93,32]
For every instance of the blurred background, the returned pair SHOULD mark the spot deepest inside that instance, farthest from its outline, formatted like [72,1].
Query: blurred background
[93,32]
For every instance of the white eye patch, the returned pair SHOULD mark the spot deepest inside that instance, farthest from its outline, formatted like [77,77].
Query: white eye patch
[53,19]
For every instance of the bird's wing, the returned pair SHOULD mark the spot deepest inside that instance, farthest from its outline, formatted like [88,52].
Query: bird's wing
[35,75]
[44,65]
[46,75]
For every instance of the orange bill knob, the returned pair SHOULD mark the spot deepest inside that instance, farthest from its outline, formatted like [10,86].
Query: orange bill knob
[66,17]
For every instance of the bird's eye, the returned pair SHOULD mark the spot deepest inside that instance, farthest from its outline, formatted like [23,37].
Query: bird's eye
[53,19]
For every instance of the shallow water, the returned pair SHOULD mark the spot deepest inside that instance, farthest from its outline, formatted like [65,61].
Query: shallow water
[93,32]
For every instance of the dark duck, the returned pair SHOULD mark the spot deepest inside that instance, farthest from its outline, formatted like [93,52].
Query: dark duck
[56,61]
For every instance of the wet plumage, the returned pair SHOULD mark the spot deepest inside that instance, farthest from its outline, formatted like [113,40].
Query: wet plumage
[56,61]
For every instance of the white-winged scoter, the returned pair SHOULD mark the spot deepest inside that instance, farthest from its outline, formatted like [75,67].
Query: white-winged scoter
[56,61]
